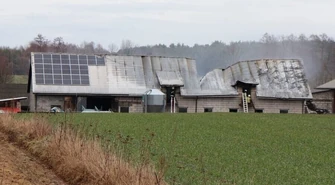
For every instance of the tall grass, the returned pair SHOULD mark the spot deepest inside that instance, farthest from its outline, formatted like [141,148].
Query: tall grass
[73,156]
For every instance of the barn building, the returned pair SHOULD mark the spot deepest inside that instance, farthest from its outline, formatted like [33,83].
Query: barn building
[117,83]
[324,96]
[274,86]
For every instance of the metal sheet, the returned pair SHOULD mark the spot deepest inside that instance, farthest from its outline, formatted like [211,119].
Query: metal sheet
[169,78]
[129,75]
[214,82]
[328,85]
[273,79]
[134,75]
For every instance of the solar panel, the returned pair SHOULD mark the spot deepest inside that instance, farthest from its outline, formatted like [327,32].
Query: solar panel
[74,67]
[47,61]
[55,59]
[64,69]
[38,61]
[57,69]
[39,70]
[85,79]
[38,56]
[39,79]
[100,61]
[46,56]
[48,69]
[74,62]
[48,79]
[82,59]
[91,60]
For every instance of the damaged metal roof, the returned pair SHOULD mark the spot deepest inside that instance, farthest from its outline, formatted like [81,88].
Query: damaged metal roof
[170,78]
[273,79]
[56,73]
[119,75]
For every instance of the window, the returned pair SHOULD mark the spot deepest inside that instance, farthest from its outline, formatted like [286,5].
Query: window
[56,106]
[124,109]
[233,110]
[183,109]
[208,109]
[259,110]
[283,111]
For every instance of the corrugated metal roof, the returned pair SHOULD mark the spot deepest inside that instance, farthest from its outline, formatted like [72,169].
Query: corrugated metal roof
[328,85]
[170,78]
[218,83]
[11,99]
[134,75]
[274,79]
[129,75]
[315,91]
[155,92]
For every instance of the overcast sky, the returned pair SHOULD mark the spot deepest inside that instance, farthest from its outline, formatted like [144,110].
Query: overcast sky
[148,22]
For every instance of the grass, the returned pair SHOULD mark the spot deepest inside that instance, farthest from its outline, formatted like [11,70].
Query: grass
[20,79]
[74,157]
[222,148]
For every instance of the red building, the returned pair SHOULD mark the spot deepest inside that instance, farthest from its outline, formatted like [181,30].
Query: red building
[11,105]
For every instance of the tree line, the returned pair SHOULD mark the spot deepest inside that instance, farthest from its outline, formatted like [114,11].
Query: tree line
[316,51]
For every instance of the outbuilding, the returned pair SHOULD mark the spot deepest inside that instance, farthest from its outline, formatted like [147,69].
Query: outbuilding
[324,96]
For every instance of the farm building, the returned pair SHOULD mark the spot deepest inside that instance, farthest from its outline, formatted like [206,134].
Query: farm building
[324,96]
[274,86]
[11,105]
[118,83]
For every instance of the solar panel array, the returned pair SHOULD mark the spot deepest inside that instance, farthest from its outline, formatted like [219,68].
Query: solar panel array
[64,69]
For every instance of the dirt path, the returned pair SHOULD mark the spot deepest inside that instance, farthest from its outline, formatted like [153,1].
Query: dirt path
[18,167]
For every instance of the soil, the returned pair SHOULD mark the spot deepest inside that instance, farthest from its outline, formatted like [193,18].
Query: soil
[20,168]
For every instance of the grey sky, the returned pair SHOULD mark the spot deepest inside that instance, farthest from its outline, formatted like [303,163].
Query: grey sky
[161,21]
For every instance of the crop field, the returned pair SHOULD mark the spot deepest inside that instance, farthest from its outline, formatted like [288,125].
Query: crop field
[221,148]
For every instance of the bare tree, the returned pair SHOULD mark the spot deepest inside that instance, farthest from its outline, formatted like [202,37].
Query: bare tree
[99,49]
[234,52]
[87,47]
[126,47]
[113,48]
[5,70]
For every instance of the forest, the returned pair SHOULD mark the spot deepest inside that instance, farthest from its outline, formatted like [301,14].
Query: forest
[316,51]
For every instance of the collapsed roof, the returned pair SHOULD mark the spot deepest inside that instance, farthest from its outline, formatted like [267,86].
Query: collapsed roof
[54,73]
[272,78]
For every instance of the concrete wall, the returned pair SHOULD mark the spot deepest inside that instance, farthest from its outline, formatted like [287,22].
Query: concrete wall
[44,103]
[220,104]
[134,104]
[275,105]
[217,104]
[32,102]
[324,100]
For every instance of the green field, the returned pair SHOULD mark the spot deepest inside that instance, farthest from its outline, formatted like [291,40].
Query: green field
[19,79]
[223,148]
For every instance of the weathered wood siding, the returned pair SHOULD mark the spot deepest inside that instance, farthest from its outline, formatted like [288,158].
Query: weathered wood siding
[324,100]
